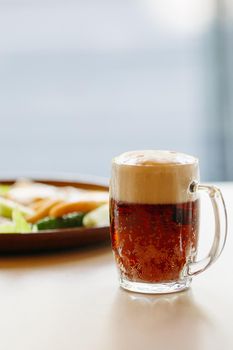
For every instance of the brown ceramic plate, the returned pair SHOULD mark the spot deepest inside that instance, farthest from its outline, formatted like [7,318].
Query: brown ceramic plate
[55,239]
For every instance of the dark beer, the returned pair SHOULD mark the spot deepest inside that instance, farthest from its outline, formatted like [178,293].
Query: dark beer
[154,219]
[154,242]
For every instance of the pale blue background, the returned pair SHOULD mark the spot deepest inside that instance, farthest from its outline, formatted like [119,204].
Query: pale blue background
[82,81]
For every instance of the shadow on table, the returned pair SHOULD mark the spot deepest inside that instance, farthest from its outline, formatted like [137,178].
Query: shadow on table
[166,322]
[48,259]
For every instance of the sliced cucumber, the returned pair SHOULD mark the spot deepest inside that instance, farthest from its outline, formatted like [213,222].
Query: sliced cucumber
[66,221]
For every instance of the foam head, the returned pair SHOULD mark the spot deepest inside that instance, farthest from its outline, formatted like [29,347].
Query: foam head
[153,177]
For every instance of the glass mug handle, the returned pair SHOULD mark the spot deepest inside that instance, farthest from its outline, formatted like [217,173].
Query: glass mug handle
[220,235]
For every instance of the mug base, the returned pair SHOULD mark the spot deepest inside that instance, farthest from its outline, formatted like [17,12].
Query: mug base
[155,288]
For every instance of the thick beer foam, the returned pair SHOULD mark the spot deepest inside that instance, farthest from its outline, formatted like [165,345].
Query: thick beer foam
[153,177]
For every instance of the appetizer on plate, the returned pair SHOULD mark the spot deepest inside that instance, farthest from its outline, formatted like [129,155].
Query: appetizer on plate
[28,206]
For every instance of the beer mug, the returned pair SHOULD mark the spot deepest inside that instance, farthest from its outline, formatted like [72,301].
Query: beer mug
[154,220]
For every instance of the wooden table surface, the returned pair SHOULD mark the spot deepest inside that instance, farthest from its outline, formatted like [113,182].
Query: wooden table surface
[71,300]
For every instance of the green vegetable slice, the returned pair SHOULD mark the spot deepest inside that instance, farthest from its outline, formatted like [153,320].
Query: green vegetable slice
[18,224]
[21,225]
[7,207]
[7,228]
[4,189]
[66,221]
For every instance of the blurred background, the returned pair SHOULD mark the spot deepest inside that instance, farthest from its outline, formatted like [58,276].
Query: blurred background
[84,80]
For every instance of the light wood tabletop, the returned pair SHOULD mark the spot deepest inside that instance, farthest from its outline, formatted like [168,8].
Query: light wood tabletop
[71,300]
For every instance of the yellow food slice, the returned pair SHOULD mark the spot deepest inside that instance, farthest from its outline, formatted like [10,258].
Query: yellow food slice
[43,210]
[38,203]
[7,206]
[98,217]
[66,208]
